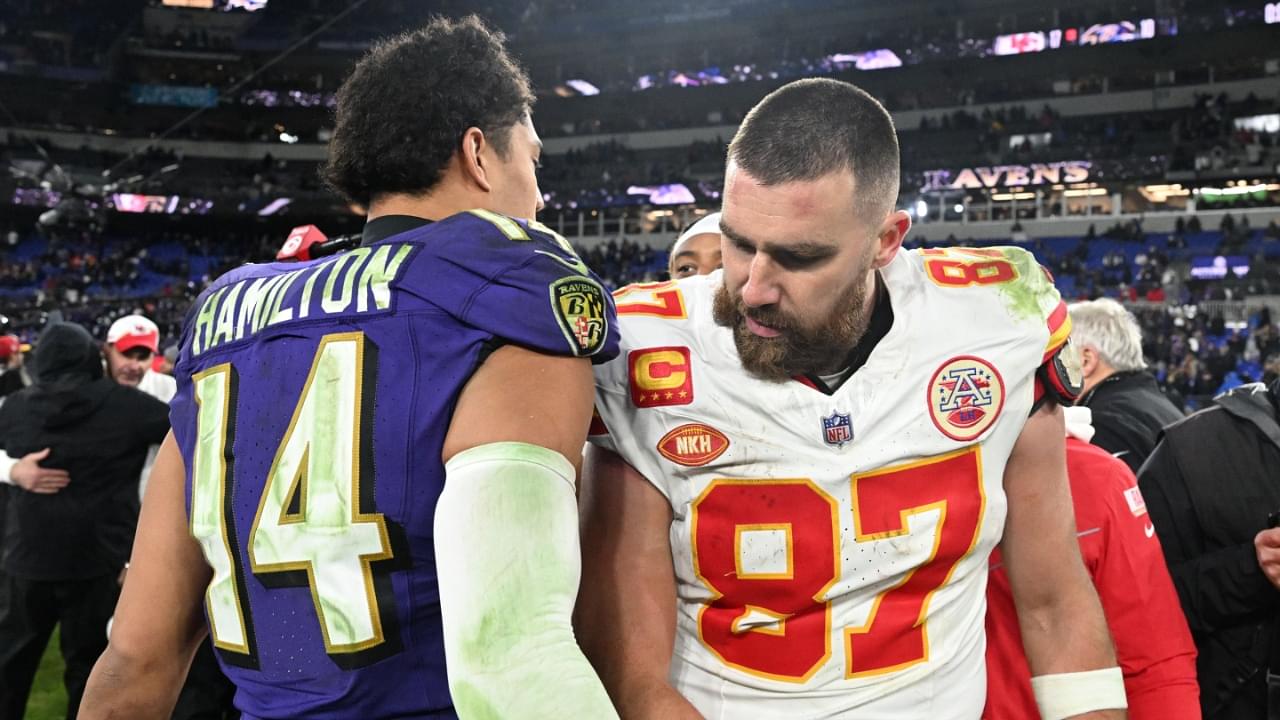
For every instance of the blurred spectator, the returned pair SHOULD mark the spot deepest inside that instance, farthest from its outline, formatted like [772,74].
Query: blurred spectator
[1209,485]
[168,359]
[132,343]
[1153,645]
[66,542]
[13,378]
[1128,407]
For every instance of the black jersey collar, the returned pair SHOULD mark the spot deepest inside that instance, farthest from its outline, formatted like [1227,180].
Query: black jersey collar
[381,228]
[879,326]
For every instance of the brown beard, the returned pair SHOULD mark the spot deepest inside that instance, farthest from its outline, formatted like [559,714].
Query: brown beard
[799,350]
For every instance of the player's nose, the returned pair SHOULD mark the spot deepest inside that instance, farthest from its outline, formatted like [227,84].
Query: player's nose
[761,287]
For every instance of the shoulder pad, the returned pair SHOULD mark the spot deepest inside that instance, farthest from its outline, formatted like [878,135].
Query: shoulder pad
[1060,377]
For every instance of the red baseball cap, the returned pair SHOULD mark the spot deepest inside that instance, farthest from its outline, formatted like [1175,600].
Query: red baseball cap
[10,345]
[133,331]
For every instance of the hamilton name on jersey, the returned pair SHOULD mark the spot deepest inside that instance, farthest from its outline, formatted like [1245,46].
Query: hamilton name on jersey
[358,281]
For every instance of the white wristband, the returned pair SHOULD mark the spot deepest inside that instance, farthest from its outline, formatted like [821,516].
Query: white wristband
[1065,695]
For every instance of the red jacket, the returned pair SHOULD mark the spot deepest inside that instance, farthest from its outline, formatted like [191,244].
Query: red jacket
[1124,559]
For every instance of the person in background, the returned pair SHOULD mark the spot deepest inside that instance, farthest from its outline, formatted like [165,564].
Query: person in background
[14,377]
[697,250]
[1209,486]
[1123,557]
[132,343]
[1128,407]
[167,360]
[67,540]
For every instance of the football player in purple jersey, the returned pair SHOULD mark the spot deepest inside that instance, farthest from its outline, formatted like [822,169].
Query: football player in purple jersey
[372,465]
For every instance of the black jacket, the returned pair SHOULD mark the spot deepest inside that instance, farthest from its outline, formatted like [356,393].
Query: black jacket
[11,381]
[99,433]
[1209,486]
[1129,410]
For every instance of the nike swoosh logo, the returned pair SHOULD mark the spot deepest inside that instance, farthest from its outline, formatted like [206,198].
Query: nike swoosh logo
[1119,453]
[1149,529]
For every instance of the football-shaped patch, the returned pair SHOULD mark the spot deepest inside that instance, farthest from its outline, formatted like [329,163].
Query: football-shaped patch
[693,445]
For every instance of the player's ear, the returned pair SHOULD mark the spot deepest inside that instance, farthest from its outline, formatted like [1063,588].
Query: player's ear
[890,235]
[1088,360]
[473,157]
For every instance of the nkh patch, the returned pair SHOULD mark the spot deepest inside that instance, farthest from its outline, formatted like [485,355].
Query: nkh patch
[1137,505]
[579,306]
[837,429]
[965,396]
[660,376]
[693,445]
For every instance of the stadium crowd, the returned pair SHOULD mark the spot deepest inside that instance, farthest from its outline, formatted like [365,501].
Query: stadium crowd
[1192,350]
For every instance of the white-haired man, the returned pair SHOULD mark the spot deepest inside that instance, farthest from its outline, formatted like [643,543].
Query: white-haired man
[1129,409]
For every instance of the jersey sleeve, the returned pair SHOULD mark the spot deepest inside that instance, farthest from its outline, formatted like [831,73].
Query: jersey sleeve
[1153,643]
[1060,376]
[618,425]
[519,282]
[598,433]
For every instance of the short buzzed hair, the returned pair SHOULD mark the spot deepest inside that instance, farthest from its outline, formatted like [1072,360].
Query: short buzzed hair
[1111,330]
[810,128]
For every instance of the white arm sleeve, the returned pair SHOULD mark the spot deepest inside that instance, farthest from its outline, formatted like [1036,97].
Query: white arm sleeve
[508,564]
[6,467]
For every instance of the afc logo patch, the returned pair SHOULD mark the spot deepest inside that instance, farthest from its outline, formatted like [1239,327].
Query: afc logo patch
[965,396]
[660,376]
[579,306]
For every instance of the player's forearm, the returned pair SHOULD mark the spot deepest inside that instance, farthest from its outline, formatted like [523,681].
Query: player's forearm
[508,563]
[124,688]
[653,699]
[1064,635]
[634,673]
[1065,632]
[542,677]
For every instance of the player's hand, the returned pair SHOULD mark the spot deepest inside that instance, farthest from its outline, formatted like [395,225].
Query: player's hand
[28,475]
[1267,546]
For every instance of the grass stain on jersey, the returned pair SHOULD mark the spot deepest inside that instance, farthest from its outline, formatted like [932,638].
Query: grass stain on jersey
[471,703]
[1030,296]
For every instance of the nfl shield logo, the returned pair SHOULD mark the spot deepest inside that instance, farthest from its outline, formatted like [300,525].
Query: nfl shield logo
[837,429]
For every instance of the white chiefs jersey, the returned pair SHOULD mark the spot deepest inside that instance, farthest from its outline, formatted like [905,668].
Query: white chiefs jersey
[831,549]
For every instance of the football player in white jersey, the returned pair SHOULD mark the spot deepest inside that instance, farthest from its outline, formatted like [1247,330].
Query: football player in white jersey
[802,462]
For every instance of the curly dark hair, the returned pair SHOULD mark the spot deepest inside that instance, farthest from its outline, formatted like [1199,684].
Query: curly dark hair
[402,112]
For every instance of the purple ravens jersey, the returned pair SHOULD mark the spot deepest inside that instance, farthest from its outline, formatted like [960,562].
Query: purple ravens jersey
[313,401]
